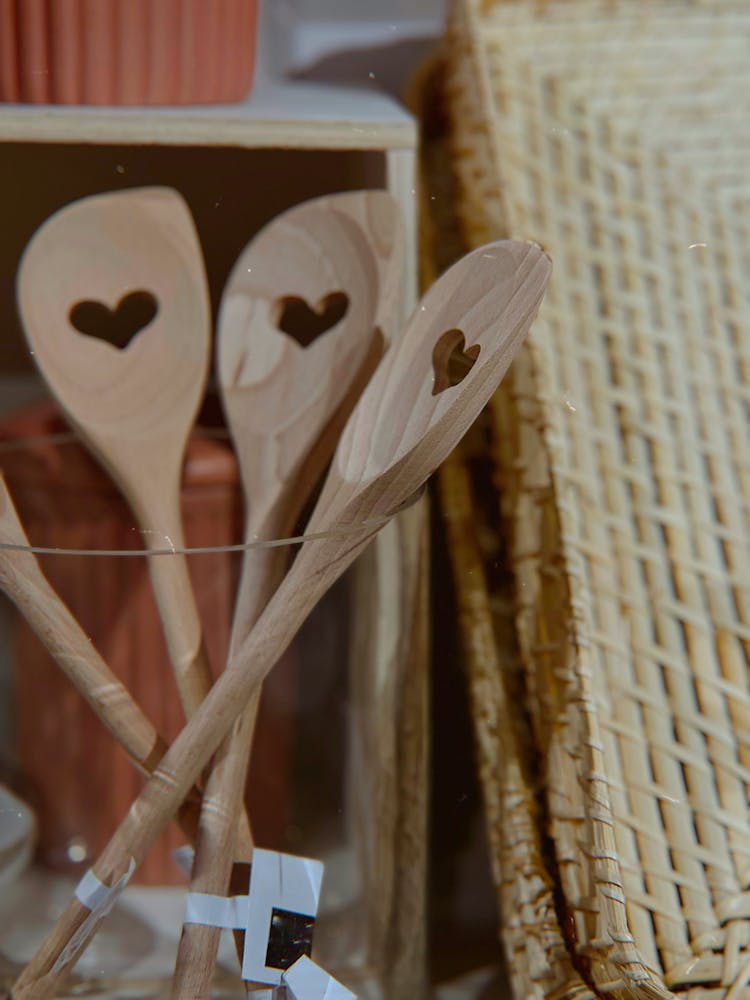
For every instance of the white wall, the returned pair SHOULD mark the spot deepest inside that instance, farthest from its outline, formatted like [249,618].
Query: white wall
[324,38]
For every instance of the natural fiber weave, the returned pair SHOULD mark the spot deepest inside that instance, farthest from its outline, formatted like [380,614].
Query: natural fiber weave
[537,959]
[539,965]
[617,135]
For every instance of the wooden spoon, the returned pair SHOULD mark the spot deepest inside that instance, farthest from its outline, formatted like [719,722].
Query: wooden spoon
[280,396]
[423,398]
[24,583]
[113,297]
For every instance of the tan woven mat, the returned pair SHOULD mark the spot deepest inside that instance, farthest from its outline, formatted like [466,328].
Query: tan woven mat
[617,134]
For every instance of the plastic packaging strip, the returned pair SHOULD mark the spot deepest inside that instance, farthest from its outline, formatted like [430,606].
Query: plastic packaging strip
[373,524]
[99,899]
[90,892]
[228,912]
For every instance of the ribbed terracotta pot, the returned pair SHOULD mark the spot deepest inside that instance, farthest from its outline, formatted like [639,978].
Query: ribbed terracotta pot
[126,51]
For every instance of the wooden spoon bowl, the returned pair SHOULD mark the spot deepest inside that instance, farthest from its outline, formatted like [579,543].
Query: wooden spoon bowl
[280,384]
[135,256]
[102,252]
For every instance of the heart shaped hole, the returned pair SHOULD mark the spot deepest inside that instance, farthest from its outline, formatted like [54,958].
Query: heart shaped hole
[295,318]
[452,360]
[116,326]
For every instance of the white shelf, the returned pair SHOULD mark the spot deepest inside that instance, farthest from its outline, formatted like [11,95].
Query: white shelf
[299,115]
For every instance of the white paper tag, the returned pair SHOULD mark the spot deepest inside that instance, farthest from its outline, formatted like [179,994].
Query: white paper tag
[288,885]
[281,905]
[307,981]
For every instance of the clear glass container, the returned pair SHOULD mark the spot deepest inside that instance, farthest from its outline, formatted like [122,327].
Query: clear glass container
[326,777]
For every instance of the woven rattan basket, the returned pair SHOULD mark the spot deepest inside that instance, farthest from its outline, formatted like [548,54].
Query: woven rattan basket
[617,135]
[538,962]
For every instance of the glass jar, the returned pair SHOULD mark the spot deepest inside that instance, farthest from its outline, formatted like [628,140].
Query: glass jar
[338,768]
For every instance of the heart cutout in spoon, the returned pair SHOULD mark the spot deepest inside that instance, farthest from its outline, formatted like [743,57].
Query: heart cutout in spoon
[297,320]
[117,326]
[451,360]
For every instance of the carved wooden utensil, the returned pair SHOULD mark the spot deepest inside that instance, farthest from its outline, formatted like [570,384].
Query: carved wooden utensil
[412,414]
[24,583]
[284,376]
[112,294]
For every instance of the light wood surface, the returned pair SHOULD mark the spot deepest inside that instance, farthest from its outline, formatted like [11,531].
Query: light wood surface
[134,404]
[298,115]
[281,399]
[24,583]
[396,437]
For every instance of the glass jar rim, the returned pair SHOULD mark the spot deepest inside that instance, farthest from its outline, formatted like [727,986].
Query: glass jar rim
[373,525]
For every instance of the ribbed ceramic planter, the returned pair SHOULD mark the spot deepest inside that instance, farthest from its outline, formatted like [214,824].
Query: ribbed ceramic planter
[126,51]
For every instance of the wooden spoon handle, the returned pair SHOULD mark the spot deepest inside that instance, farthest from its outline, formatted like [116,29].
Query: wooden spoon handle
[173,591]
[215,853]
[175,599]
[216,846]
[24,583]
[314,571]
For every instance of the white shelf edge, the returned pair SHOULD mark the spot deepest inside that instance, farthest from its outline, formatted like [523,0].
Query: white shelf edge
[276,115]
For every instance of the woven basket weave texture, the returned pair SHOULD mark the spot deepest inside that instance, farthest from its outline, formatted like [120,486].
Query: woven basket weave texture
[617,135]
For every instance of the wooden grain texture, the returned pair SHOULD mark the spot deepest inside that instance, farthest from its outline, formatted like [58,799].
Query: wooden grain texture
[381,591]
[389,674]
[280,400]
[404,957]
[396,437]
[23,582]
[132,405]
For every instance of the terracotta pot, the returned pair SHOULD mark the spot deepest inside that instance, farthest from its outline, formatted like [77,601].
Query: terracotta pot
[126,51]
[68,767]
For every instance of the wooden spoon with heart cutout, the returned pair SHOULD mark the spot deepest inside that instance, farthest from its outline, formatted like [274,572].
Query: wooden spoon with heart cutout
[397,435]
[89,270]
[286,371]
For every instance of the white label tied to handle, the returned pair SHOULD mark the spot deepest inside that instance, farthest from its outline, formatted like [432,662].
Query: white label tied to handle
[277,915]
[284,896]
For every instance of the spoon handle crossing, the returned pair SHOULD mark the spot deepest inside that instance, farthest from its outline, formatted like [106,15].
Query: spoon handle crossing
[317,566]
[216,844]
[24,583]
